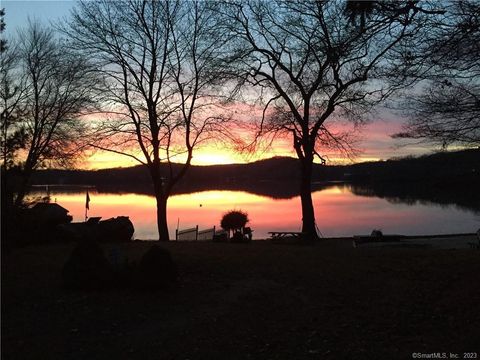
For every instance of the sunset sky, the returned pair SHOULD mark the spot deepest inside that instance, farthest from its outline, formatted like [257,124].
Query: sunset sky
[375,143]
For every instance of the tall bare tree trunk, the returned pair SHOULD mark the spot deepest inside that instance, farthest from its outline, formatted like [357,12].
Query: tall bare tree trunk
[308,213]
[162,224]
[161,197]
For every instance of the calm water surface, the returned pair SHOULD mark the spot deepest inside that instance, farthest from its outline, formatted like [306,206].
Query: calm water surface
[338,211]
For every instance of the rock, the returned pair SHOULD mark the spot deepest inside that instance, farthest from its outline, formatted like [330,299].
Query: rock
[156,270]
[116,230]
[87,268]
[119,229]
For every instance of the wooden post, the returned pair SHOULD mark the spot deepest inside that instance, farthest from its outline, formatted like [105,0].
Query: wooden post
[196,233]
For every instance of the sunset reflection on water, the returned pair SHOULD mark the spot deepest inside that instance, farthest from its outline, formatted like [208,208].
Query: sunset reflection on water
[338,212]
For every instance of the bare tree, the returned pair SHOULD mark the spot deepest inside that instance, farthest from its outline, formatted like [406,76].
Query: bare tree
[447,109]
[45,89]
[8,141]
[312,63]
[159,59]
[10,96]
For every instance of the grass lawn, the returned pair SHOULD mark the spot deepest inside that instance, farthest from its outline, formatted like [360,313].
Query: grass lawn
[249,301]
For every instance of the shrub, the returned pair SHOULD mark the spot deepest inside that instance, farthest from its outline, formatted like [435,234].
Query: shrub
[87,268]
[234,220]
[156,270]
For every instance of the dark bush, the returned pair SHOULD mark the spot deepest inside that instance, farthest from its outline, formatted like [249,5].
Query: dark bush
[87,268]
[156,270]
[234,220]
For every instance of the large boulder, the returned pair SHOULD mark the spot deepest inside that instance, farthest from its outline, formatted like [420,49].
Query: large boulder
[119,229]
[156,270]
[87,268]
[114,230]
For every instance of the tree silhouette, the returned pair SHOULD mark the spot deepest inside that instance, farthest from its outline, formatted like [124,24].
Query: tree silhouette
[3,42]
[447,110]
[5,118]
[159,59]
[45,89]
[359,9]
[10,93]
[312,66]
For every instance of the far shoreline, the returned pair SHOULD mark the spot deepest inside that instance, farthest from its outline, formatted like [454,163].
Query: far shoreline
[439,241]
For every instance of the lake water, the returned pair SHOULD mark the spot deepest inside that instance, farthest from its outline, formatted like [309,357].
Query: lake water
[339,212]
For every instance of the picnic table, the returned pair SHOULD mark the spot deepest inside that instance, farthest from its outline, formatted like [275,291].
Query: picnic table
[277,235]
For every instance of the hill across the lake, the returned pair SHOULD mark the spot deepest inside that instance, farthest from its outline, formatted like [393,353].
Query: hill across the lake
[443,176]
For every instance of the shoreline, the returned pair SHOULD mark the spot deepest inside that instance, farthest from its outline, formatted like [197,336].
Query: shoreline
[441,241]
[427,236]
